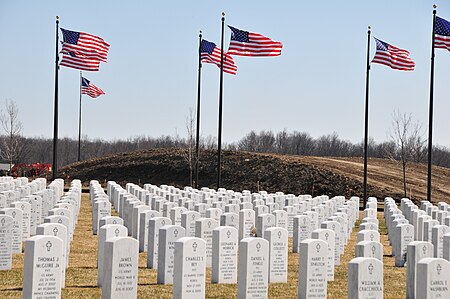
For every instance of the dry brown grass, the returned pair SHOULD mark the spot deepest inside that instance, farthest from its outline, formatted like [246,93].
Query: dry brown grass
[81,276]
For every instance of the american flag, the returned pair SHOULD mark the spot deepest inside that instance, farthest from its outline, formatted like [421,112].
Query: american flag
[244,43]
[210,53]
[442,33]
[71,59]
[84,44]
[393,57]
[90,89]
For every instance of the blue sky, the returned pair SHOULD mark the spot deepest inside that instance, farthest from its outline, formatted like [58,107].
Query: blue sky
[317,85]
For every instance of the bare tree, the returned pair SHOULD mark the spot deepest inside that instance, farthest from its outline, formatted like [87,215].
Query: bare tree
[407,142]
[188,146]
[11,145]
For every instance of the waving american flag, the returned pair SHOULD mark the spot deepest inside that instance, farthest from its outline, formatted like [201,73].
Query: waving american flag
[245,43]
[210,53]
[393,57]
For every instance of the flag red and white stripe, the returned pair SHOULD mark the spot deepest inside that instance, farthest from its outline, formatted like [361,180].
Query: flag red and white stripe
[79,63]
[245,43]
[210,53]
[90,89]
[85,45]
[442,34]
[393,57]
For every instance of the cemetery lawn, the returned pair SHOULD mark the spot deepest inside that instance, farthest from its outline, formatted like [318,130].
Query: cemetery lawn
[81,276]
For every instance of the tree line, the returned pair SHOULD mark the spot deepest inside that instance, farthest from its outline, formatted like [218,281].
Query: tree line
[39,149]
[406,143]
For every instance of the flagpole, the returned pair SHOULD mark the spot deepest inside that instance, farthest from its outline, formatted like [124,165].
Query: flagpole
[197,142]
[79,122]
[55,112]
[430,118]
[366,117]
[219,150]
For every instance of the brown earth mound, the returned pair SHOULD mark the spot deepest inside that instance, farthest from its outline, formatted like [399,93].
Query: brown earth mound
[270,172]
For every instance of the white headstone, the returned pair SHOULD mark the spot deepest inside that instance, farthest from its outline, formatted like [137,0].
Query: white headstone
[25,207]
[224,255]
[189,268]
[60,231]
[42,267]
[278,253]
[416,251]
[16,214]
[168,234]
[105,233]
[188,219]
[253,271]
[312,272]
[144,219]
[120,271]
[204,230]
[433,278]
[404,236]
[153,239]
[369,249]
[246,223]
[437,238]
[301,231]
[263,222]
[6,224]
[328,236]
[446,247]
[229,219]
[365,278]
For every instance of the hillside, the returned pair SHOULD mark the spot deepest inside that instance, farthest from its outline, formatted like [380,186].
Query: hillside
[270,172]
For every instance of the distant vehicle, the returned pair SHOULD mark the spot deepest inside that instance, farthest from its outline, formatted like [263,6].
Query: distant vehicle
[30,170]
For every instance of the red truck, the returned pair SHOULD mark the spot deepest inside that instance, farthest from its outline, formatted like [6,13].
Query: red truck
[29,170]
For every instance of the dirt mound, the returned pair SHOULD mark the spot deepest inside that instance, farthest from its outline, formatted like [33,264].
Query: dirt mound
[270,172]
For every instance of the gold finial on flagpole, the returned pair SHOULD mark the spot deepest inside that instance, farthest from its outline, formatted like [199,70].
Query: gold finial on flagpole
[223,14]
[434,6]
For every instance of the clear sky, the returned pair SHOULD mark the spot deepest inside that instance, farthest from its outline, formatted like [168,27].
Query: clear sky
[317,85]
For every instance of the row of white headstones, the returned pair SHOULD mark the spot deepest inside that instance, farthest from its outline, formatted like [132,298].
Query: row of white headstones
[420,239]
[45,218]
[185,231]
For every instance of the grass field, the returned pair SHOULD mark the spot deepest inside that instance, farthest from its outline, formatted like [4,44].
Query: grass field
[81,276]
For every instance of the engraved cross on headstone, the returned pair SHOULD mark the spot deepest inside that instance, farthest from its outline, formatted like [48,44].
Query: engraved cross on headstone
[55,231]
[279,234]
[318,247]
[117,232]
[258,246]
[175,232]
[326,236]
[194,246]
[48,245]
[228,234]
[424,249]
[370,268]
[439,268]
